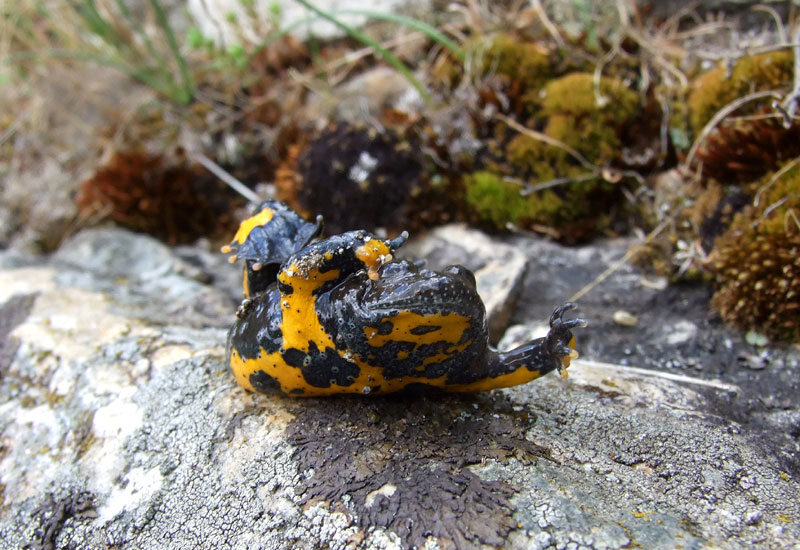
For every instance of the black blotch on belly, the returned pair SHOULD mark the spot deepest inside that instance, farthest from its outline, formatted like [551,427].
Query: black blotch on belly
[322,368]
[424,329]
[264,383]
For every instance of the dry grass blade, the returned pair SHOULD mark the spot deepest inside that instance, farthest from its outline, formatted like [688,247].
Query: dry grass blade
[789,103]
[235,184]
[769,10]
[648,373]
[548,140]
[775,177]
[627,257]
[547,24]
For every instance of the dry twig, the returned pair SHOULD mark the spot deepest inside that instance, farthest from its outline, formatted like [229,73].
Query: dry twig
[548,140]
[788,106]
[547,24]
[776,17]
[627,257]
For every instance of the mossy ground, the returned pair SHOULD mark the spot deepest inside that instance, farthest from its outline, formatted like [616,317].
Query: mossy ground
[718,87]
[604,111]
[582,120]
[757,262]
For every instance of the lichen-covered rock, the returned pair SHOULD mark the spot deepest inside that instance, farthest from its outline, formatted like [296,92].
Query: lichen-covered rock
[121,426]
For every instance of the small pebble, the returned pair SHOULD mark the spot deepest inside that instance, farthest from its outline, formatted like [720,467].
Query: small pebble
[659,283]
[756,339]
[625,318]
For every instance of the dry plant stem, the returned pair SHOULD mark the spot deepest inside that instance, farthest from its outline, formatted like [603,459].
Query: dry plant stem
[599,98]
[632,251]
[380,51]
[547,139]
[319,87]
[351,58]
[233,115]
[775,177]
[666,112]
[624,22]
[670,26]
[720,115]
[747,52]
[534,230]
[15,125]
[789,103]
[623,369]
[473,13]
[702,29]
[791,214]
[457,31]
[658,58]
[756,118]
[776,17]
[235,184]
[624,14]
[627,31]
[531,188]
[613,175]
[771,208]
[547,24]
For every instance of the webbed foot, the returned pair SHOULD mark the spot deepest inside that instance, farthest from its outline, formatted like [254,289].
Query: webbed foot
[552,352]
[560,342]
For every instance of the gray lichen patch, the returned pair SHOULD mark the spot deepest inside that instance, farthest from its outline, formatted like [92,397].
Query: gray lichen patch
[54,513]
[629,461]
[142,276]
[401,464]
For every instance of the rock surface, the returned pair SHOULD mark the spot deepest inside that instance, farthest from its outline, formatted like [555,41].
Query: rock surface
[120,426]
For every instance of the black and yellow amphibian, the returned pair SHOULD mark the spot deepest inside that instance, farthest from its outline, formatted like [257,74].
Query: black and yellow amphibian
[343,317]
[265,240]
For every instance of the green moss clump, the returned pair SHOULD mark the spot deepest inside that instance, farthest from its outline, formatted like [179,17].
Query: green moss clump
[523,62]
[756,263]
[570,210]
[595,140]
[575,118]
[574,94]
[589,117]
[714,89]
[540,163]
[536,159]
[494,199]
[579,206]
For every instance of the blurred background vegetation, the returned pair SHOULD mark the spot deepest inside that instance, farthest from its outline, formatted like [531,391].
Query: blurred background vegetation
[671,123]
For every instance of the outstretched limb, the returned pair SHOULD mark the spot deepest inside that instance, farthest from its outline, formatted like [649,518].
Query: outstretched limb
[559,342]
[543,355]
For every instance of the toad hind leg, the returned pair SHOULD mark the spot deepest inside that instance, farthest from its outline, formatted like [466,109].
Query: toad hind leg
[552,352]
[532,359]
